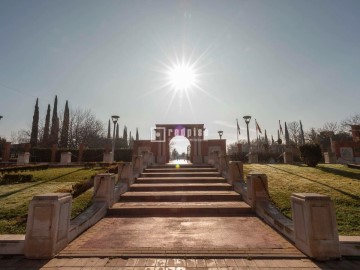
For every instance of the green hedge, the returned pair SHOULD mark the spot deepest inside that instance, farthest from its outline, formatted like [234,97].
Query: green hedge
[7,179]
[262,157]
[24,168]
[311,154]
[89,155]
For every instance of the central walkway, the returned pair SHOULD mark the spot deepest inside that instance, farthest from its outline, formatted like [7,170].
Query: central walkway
[189,211]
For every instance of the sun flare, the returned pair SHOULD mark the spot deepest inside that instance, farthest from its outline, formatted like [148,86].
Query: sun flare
[182,76]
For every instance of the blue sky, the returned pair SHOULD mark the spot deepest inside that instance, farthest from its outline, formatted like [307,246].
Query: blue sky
[273,60]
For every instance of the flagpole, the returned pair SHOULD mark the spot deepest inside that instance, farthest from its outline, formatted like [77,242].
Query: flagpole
[237,131]
[257,136]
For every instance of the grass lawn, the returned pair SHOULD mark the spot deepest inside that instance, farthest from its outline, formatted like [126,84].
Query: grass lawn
[14,199]
[339,182]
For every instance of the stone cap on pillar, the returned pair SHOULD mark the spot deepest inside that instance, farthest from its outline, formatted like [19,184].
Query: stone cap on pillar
[51,196]
[104,174]
[256,173]
[310,196]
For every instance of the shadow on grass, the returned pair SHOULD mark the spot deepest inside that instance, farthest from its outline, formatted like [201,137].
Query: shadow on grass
[353,175]
[355,197]
[36,184]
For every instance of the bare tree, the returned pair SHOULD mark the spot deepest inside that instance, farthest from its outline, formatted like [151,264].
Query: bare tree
[351,120]
[294,132]
[21,136]
[330,127]
[85,128]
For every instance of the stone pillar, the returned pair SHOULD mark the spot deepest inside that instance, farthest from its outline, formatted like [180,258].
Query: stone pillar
[197,160]
[81,152]
[329,157]
[253,157]
[236,172]
[239,148]
[223,160]
[107,158]
[48,225]
[257,188]
[211,158]
[138,165]
[315,225]
[125,172]
[104,188]
[23,158]
[151,159]
[217,161]
[6,152]
[146,160]
[53,152]
[65,158]
[288,157]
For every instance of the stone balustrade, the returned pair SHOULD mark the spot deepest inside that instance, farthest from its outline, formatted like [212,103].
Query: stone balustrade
[65,158]
[47,225]
[23,158]
[137,161]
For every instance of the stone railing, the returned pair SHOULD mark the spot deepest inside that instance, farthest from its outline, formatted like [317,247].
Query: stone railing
[313,229]
[49,228]
[316,238]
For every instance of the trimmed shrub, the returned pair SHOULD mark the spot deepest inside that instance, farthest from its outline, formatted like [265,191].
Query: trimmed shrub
[24,168]
[15,179]
[80,187]
[310,154]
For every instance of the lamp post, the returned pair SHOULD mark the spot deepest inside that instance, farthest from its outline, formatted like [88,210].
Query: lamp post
[114,119]
[247,119]
[220,133]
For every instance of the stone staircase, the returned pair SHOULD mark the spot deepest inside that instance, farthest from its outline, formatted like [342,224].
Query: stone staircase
[186,212]
[190,190]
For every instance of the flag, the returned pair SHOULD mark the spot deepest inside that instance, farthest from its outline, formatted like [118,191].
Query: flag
[281,130]
[238,127]
[258,127]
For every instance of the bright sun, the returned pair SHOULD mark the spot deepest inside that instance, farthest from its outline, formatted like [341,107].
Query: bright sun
[182,76]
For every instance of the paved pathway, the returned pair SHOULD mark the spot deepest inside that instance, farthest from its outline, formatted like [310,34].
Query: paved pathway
[181,236]
[19,263]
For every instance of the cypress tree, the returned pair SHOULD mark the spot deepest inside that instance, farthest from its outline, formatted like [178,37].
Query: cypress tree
[125,133]
[287,137]
[117,131]
[302,134]
[130,141]
[125,137]
[109,130]
[266,138]
[35,125]
[47,127]
[54,132]
[64,138]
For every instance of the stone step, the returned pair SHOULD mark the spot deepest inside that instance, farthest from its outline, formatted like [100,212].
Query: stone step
[180,196]
[188,179]
[180,174]
[190,169]
[181,187]
[229,208]
[182,166]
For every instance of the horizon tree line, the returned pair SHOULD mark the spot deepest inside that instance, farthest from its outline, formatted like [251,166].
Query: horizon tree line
[75,127]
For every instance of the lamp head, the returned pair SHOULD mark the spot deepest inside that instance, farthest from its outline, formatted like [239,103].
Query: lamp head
[220,133]
[247,119]
[115,118]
